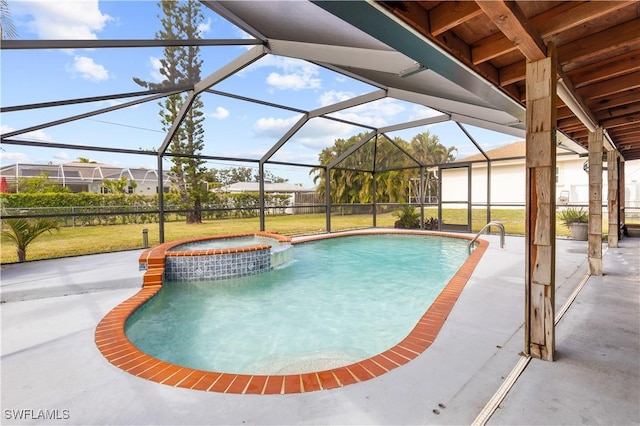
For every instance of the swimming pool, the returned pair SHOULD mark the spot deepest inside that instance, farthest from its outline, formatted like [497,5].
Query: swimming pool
[313,368]
[339,301]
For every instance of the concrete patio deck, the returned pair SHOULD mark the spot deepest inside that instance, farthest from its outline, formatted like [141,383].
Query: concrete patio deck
[49,360]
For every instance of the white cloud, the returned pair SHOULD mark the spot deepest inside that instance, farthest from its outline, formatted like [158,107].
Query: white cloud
[274,127]
[204,27]
[316,134]
[376,113]
[294,81]
[221,113]
[38,135]
[61,156]
[19,157]
[320,133]
[13,157]
[155,69]
[419,112]
[295,74]
[76,19]
[334,96]
[88,69]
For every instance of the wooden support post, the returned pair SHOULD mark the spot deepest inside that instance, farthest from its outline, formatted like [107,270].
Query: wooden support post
[613,193]
[621,188]
[594,250]
[541,207]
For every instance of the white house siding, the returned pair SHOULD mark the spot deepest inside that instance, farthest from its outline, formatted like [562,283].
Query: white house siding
[508,184]
[454,184]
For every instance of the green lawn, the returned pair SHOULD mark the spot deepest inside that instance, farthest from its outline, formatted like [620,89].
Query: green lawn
[100,239]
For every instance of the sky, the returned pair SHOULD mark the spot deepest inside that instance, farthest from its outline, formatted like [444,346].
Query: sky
[233,128]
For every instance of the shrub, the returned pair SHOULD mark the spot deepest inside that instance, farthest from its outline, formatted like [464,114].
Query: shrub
[408,217]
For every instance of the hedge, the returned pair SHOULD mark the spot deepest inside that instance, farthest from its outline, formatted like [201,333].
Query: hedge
[86,208]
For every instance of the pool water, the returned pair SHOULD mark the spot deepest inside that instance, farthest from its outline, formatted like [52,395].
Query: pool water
[339,301]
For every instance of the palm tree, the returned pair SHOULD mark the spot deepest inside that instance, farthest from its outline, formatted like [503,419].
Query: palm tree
[427,149]
[21,232]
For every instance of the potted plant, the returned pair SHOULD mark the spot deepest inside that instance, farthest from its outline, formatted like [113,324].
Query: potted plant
[577,220]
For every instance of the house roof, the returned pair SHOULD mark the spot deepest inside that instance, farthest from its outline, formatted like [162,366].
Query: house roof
[513,150]
[80,171]
[283,187]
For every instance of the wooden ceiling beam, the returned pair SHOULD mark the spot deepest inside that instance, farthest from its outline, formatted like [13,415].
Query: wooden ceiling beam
[629,119]
[560,18]
[611,87]
[563,112]
[510,19]
[570,123]
[580,134]
[411,13]
[629,131]
[606,69]
[630,153]
[491,47]
[625,140]
[513,73]
[619,111]
[615,100]
[623,37]
[451,14]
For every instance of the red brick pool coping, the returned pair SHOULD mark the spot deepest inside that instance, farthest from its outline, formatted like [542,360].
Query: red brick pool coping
[114,345]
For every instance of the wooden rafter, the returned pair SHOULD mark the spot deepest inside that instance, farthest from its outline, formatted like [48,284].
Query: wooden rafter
[514,25]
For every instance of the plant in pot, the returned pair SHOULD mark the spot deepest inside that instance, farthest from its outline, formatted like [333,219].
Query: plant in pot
[408,218]
[577,220]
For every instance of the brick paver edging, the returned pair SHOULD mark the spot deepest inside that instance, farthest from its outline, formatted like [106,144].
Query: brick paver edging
[114,345]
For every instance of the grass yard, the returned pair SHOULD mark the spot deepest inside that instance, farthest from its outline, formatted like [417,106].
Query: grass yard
[101,239]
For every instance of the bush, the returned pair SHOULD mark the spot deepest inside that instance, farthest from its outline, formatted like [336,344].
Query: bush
[408,218]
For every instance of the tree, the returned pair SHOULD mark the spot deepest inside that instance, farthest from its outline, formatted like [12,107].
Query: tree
[352,179]
[217,178]
[269,176]
[428,150]
[7,29]
[224,177]
[118,186]
[40,183]
[181,65]
[21,232]
[85,160]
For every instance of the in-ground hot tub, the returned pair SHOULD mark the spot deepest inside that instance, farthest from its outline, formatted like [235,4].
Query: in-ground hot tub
[218,257]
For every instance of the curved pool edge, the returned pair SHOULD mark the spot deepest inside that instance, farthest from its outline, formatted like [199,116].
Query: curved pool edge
[111,340]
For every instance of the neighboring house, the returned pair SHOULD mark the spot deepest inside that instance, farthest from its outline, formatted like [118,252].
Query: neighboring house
[86,177]
[508,179]
[296,193]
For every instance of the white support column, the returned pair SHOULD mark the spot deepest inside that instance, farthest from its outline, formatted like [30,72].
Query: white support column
[594,251]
